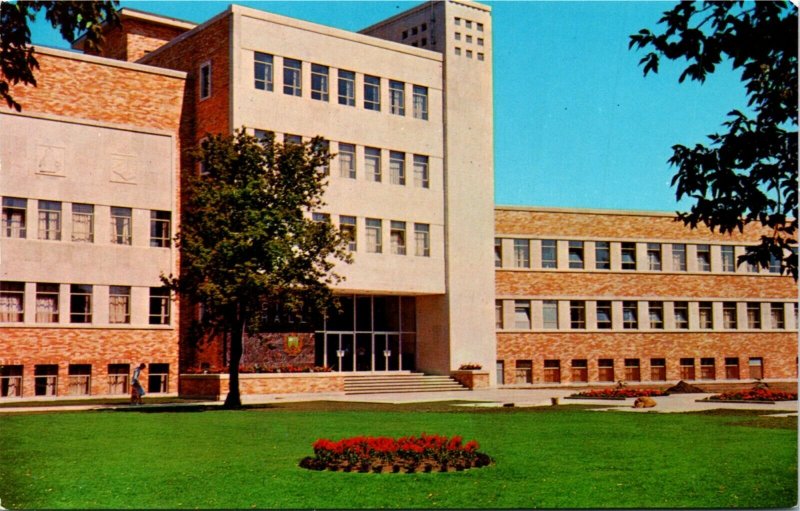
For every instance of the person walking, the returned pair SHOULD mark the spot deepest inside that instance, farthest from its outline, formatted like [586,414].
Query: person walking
[137,390]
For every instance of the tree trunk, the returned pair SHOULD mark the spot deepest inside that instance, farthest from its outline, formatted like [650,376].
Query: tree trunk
[234,399]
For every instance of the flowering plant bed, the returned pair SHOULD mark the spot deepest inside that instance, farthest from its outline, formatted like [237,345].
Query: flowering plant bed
[617,393]
[758,395]
[426,453]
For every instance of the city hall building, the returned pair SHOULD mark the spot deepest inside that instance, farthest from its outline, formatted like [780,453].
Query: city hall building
[91,199]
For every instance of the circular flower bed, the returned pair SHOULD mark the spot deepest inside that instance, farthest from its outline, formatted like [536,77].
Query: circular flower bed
[617,393]
[426,453]
[760,394]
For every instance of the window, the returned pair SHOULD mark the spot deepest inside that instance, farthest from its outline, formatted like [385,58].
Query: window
[602,255]
[654,256]
[678,257]
[628,256]
[703,258]
[479,27]
[372,162]
[11,380]
[458,36]
[577,315]
[580,370]
[681,311]
[658,369]
[347,160]
[12,302]
[47,303]
[687,369]
[756,366]
[498,253]
[422,240]
[458,21]
[632,370]
[656,312]
[522,254]
[731,368]
[79,379]
[420,98]
[160,228]
[630,315]
[469,54]
[374,235]
[774,264]
[289,139]
[397,96]
[397,167]
[576,254]
[121,226]
[292,77]
[481,56]
[549,254]
[728,259]
[468,23]
[159,306]
[157,378]
[498,314]
[605,369]
[421,178]
[80,303]
[550,314]
[708,369]
[205,80]
[14,217]
[751,267]
[347,226]
[552,371]
[45,380]
[347,88]
[397,237]
[603,313]
[469,38]
[480,41]
[83,223]
[522,315]
[49,220]
[118,375]
[705,316]
[372,93]
[262,70]
[523,372]
[319,82]
[729,315]
[754,316]
[321,218]
[119,304]
[777,316]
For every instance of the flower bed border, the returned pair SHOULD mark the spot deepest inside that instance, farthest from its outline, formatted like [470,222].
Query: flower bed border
[599,398]
[736,401]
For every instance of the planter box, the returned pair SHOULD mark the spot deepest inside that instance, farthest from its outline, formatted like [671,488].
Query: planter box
[215,386]
[472,378]
[599,398]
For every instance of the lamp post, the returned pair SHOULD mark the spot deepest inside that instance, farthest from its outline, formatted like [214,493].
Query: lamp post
[340,354]
[387,354]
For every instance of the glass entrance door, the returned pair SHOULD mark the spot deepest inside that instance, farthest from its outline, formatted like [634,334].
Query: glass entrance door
[340,351]
[387,352]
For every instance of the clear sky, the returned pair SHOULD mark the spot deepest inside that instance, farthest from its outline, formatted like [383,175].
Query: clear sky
[576,123]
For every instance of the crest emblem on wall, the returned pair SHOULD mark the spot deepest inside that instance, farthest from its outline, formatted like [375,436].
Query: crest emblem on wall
[293,345]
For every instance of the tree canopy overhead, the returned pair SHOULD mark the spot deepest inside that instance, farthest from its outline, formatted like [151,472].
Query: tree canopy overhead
[748,172]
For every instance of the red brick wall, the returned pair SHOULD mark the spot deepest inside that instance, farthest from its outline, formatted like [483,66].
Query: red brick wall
[135,38]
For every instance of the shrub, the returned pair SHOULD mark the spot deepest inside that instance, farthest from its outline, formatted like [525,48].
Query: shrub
[756,394]
[620,392]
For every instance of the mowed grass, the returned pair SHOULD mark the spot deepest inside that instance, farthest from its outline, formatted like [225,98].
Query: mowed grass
[558,457]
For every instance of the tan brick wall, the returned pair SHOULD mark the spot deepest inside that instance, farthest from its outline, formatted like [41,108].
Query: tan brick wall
[216,385]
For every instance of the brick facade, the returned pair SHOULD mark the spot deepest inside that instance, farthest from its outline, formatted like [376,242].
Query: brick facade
[215,386]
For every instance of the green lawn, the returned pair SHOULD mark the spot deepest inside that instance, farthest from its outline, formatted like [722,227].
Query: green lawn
[558,457]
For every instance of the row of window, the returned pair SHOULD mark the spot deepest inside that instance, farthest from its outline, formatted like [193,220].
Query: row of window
[51,225]
[468,24]
[80,310]
[417,33]
[678,315]
[79,377]
[374,228]
[469,53]
[630,256]
[579,370]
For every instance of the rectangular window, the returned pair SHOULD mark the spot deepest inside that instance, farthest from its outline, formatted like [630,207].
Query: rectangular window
[422,240]
[397,95]
[729,315]
[632,370]
[12,302]
[292,77]
[603,312]
[550,314]
[372,93]
[49,220]
[160,228]
[347,226]
[658,369]
[374,235]
[774,264]
[678,257]
[397,237]
[523,372]
[347,160]
[580,370]
[263,71]
[45,380]
[522,315]
[756,366]
[577,315]
[728,259]
[703,258]
[687,369]
[498,253]
[119,304]
[708,370]
[656,312]
[319,82]
[372,162]
[777,316]
[420,102]
[731,368]
[289,139]
[654,256]
[421,178]
[159,306]
[321,218]
[83,223]
[552,371]
[46,303]
[605,369]
[628,256]
[576,255]
[14,214]
[602,255]
[80,303]
[630,315]
[397,167]
[11,380]
[754,316]
[347,88]
[79,379]
[751,268]
[157,378]
[121,226]
[705,316]
[522,254]
[118,375]
[549,254]
[681,311]
[498,314]
[205,80]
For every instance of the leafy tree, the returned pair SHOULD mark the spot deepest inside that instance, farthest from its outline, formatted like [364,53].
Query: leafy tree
[246,238]
[748,173]
[17,60]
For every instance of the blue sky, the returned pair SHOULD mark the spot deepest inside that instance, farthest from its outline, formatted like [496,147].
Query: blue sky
[576,123]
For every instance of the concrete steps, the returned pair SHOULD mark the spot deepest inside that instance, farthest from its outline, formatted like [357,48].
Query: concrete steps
[385,383]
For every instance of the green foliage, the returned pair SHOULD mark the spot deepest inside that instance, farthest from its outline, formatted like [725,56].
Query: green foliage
[17,60]
[749,172]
